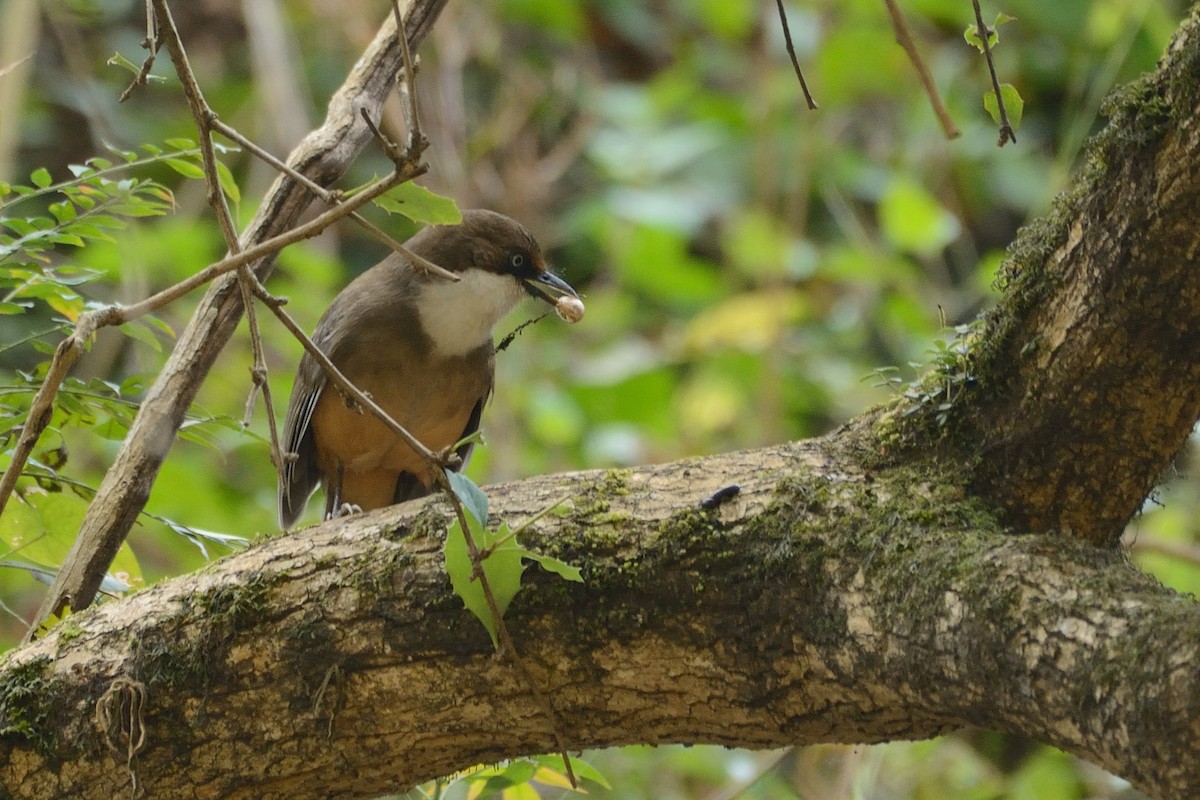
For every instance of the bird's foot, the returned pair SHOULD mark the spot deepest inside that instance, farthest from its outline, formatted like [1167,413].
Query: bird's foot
[344,510]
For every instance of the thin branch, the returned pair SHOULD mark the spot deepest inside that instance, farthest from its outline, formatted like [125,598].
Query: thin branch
[268,246]
[202,114]
[507,646]
[1006,130]
[150,43]
[1181,550]
[41,410]
[787,38]
[409,94]
[204,117]
[905,39]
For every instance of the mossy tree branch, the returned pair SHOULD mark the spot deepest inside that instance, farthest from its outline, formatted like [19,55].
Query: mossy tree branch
[826,601]
[1087,375]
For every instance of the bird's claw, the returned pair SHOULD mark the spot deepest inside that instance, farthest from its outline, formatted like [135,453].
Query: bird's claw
[344,510]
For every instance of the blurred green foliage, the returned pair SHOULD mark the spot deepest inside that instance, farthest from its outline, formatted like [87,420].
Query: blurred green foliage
[747,264]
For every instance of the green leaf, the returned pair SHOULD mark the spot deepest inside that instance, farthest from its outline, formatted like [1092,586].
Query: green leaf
[118,60]
[583,770]
[420,205]
[472,497]
[1013,104]
[41,178]
[557,566]
[187,169]
[971,34]
[40,528]
[912,219]
[135,330]
[502,567]
[228,184]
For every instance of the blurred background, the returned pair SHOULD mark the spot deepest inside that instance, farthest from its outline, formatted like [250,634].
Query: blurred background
[754,271]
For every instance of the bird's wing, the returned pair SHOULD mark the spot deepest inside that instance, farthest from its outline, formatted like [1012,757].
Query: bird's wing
[299,476]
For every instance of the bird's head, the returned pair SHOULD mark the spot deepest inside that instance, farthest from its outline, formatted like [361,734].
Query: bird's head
[498,262]
[503,246]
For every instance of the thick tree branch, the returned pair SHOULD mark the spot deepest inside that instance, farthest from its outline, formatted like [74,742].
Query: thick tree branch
[1087,376]
[824,602]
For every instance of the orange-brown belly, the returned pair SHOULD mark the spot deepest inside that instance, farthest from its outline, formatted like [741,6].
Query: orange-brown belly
[371,457]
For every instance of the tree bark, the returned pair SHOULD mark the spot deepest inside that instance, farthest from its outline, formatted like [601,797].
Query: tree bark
[1085,381]
[824,602]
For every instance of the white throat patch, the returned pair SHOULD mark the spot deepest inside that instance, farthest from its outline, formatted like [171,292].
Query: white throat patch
[459,316]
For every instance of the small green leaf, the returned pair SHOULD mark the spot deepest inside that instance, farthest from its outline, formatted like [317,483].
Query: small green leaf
[118,60]
[41,178]
[582,769]
[135,330]
[228,184]
[1013,104]
[420,205]
[558,567]
[472,497]
[185,168]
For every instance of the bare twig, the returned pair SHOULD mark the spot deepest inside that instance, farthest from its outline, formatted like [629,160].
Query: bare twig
[787,38]
[508,340]
[71,348]
[507,646]
[202,114]
[904,39]
[41,410]
[204,117]
[1006,130]
[416,140]
[150,43]
[325,155]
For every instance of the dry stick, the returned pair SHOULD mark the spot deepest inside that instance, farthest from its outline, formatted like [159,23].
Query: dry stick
[151,44]
[1006,130]
[787,38]
[72,347]
[324,153]
[506,641]
[1180,550]
[203,115]
[904,39]
[409,95]
[41,410]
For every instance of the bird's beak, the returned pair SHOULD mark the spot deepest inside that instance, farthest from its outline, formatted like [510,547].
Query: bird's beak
[549,287]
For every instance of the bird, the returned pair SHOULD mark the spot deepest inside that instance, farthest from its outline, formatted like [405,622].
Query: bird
[420,345]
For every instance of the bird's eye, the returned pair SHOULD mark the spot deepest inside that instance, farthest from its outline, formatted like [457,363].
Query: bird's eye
[517,260]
